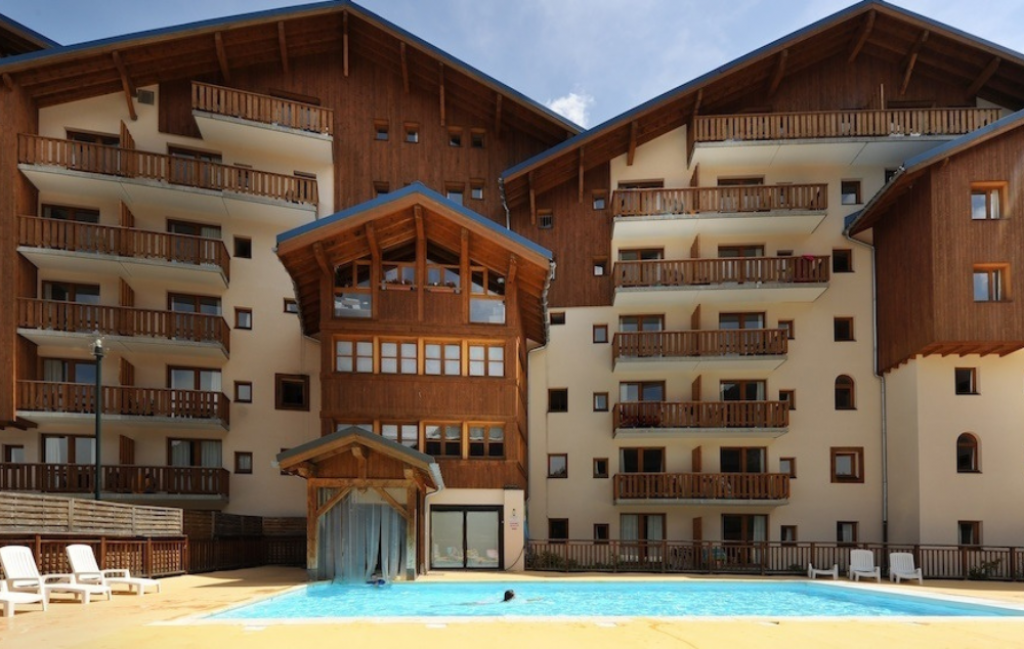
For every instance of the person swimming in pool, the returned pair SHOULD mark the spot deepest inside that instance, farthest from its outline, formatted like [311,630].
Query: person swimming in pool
[509,595]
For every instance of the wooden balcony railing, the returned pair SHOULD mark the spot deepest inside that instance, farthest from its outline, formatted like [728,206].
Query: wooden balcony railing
[262,108]
[177,170]
[843,123]
[80,398]
[72,236]
[79,478]
[702,200]
[720,342]
[702,486]
[701,414]
[123,321]
[700,272]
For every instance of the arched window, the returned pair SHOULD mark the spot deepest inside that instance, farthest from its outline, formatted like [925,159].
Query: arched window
[845,398]
[967,453]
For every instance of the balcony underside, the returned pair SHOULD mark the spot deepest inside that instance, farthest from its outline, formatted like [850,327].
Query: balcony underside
[125,344]
[44,418]
[655,229]
[90,263]
[859,151]
[662,364]
[691,295]
[56,180]
[231,132]
[663,433]
[702,502]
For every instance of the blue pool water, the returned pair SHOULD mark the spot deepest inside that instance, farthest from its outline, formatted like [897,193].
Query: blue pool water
[545,599]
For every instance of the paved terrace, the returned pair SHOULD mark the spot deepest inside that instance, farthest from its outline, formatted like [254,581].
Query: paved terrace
[130,621]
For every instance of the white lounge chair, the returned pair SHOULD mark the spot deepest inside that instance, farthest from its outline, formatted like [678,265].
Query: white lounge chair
[901,566]
[862,564]
[23,576]
[8,599]
[813,572]
[87,571]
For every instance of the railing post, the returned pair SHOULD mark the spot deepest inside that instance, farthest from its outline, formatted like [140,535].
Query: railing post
[148,559]
[1013,564]
[103,553]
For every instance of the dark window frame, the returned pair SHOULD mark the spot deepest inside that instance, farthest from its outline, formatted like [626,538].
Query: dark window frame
[279,383]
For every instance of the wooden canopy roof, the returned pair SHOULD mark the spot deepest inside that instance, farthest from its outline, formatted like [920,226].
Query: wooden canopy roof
[272,37]
[16,38]
[871,28]
[364,231]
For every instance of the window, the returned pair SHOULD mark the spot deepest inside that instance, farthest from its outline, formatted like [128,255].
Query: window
[788,396]
[787,466]
[601,333]
[77,293]
[291,392]
[601,533]
[558,400]
[381,188]
[290,305]
[787,533]
[486,360]
[600,402]
[600,267]
[194,378]
[476,138]
[60,370]
[557,317]
[847,464]
[849,191]
[545,219]
[487,440]
[443,440]
[353,356]
[789,327]
[558,465]
[476,189]
[445,359]
[243,391]
[742,390]
[642,460]
[194,452]
[243,248]
[600,200]
[192,304]
[487,296]
[966,380]
[243,462]
[845,394]
[842,329]
[600,467]
[743,459]
[846,532]
[969,532]
[68,449]
[986,200]
[634,391]
[14,453]
[842,260]
[243,318]
[558,529]
[398,357]
[67,213]
[990,282]
[455,137]
[642,254]
[405,434]
[637,323]
[741,321]
[455,192]
[967,454]
[412,133]
[380,130]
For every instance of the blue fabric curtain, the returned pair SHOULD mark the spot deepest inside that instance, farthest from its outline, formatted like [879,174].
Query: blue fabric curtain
[357,535]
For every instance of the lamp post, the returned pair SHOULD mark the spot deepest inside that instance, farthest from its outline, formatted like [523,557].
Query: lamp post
[98,352]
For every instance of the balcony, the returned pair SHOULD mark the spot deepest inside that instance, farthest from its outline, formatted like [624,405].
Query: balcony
[647,216]
[124,329]
[701,488]
[48,402]
[132,483]
[123,252]
[847,137]
[732,281]
[695,351]
[271,125]
[163,181]
[700,419]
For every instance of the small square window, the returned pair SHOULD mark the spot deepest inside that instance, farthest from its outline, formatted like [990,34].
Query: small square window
[455,137]
[557,317]
[966,380]
[290,305]
[243,318]
[788,396]
[243,248]
[850,192]
[787,466]
[846,532]
[600,267]
[600,200]
[476,139]
[558,465]
[558,400]
[969,532]
[558,529]
[847,464]
[986,201]
[243,462]
[243,392]
[380,130]
[545,219]
[600,402]
[476,189]
[600,333]
[990,283]
[455,192]
[291,392]
[600,467]
[843,329]
[787,533]
[380,188]
[789,327]
[412,133]
[601,533]
[842,260]
[889,173]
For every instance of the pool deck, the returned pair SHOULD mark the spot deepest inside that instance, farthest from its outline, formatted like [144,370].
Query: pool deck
[161,621]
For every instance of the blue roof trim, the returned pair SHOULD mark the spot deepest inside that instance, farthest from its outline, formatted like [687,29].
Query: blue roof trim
[357,433]
[295,11]
[422,190]
[24,31]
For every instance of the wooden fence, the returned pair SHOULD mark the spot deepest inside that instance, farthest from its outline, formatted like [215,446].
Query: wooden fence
[262,108]
[39,514]
[80,398]
[708,342]
[809,269]
[698,200]
[701,414]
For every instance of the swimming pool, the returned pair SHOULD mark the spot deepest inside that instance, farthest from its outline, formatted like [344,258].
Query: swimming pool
[601,599]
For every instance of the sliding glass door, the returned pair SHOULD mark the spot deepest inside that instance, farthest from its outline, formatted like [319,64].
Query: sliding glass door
[466,537]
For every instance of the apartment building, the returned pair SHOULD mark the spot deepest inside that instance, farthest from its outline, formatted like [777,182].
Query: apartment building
[333,270]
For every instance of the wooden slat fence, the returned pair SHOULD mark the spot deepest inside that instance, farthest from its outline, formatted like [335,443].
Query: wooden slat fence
[721,342]
[46,396]
[807,269]
[701,486]
[149,557]
[701,414]
[262,108]
[703,200]
[21,513]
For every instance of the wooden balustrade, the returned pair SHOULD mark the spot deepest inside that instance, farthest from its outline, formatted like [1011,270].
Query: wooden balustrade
[262,108]
[73,236]
[178,170]
[123,321]
[702,486]
[720,342]
[701,414]
[701,272]
[844,123]
[79,478]
[701,200]
[80,398]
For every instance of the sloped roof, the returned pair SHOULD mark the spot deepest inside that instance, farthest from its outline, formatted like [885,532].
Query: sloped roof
[17,38]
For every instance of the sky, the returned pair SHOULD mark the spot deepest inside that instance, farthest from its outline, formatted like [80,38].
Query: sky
[589,60]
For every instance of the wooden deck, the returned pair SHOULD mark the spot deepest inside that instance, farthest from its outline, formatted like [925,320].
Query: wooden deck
[715,200]
[709,343]
[80,478]
[263,109]
[701,414]
[80,398]
[701,486]
[709,272]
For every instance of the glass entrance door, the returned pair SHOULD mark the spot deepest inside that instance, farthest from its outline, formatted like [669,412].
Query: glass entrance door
[466,537]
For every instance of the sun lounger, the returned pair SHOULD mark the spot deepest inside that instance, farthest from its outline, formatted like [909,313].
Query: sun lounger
[23,576]
[9,598]
[862,564]
[87,571]
[901,566]
[813,572]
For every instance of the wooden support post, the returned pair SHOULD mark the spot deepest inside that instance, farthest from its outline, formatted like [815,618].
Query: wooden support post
[321,259]
[440,85]
[282,43]
[497,116]
[126,85]
[912,60]
[405,66]
[580,174]
[780,71]
[222,57]
[312,527]
[983,78]
[344,42]
[631,153]
[865,32]
[410,531]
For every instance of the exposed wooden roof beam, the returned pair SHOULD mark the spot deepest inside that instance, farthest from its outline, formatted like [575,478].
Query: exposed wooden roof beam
[327,506]
[126,85]
[344,42]
[407,515]
[360,454]
[282,41]
[631,153]
[780,71]
[497,115]
[983,78]
[8,82]
[440,85]
[697,102]
[321,259]
[371,238]
[865,32]
[222,57]
[405,66]
[912,60]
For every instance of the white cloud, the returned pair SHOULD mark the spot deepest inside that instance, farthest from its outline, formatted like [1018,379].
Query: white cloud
[575,106]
